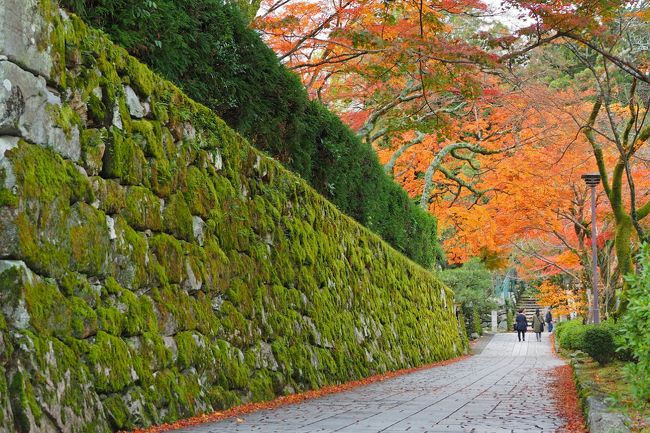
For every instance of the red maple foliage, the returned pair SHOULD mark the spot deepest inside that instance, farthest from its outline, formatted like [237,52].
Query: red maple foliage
[247,408]
[567,401]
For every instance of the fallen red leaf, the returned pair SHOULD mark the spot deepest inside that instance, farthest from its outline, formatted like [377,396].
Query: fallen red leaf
[566,397]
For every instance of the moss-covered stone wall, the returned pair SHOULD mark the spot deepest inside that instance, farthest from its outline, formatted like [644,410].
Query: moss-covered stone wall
[153,265]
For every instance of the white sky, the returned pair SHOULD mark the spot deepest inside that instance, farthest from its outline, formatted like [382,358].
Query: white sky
[510,18]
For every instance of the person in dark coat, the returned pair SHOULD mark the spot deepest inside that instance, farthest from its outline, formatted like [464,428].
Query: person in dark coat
[521,325]
[549,320]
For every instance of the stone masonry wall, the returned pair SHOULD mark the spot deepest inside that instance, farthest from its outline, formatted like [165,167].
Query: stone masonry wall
[154,266]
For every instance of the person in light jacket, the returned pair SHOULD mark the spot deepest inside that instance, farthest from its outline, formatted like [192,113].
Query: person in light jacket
[521,324]
[538,325]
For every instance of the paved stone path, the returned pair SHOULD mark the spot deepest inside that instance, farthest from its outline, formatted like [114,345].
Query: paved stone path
[504,388]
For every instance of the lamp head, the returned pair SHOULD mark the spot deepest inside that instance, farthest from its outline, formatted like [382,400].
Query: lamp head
[592,179]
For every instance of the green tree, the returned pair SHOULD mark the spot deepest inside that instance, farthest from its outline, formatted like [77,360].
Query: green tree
[472,284]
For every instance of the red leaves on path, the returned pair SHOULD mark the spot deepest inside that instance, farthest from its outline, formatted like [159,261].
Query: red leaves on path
[567,401]
[243,409]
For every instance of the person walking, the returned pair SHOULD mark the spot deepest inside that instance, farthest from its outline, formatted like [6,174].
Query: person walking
[521,325]
[549,320]
[538,325]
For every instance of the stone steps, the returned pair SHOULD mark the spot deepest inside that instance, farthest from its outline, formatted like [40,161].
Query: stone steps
[529,304]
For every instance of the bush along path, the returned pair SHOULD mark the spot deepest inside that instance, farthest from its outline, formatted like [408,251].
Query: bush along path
[601,368]
[507,387]
[155,266]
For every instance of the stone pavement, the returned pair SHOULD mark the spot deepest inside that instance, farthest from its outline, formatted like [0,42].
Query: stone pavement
[504,388]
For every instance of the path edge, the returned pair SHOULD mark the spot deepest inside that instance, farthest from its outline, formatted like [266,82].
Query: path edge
[600,416]
[286,400]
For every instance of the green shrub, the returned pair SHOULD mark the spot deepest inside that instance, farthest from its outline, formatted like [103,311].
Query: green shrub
[598,342]
[635,327]
[476,322]
[207,49]
[571,334]
[472,285]
[510,320]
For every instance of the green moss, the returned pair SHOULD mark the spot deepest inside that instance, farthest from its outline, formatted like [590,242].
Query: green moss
[201,195]
[261,386]
[92,149]
[23,402]
[169,252]
[177,218]
[221,398]
[111,363]
[89,243]
[41,174]
[133,267]
[110,320]
[111,195]
[118,412]
[123,159]
[140,76]
[143,209]
[154,352]
[66,118]
[193,351]
[7,198]
[149,135]
[50,311]
[97,109]
[162,177]
[124,313]
[233,373]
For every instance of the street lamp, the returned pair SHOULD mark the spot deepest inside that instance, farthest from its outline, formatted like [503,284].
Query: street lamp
[592,180]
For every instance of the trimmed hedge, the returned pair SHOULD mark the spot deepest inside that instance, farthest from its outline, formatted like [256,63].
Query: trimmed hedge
[206,48]
[570,334]
[162,267]
[598,341]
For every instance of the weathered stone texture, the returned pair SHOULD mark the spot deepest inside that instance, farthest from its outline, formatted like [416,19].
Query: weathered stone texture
[24,33]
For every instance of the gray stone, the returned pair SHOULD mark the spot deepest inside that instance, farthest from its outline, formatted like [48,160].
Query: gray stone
[358,335]
[197,227]
[8,232]
[217,301]
[117,117]
[217,159]
[110,224]
[191,283]
[22,30]
[13,304]
[136,109]
[25,111]
[189,132]
[7,143]
[170,343]
[265,358]
[602,420]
